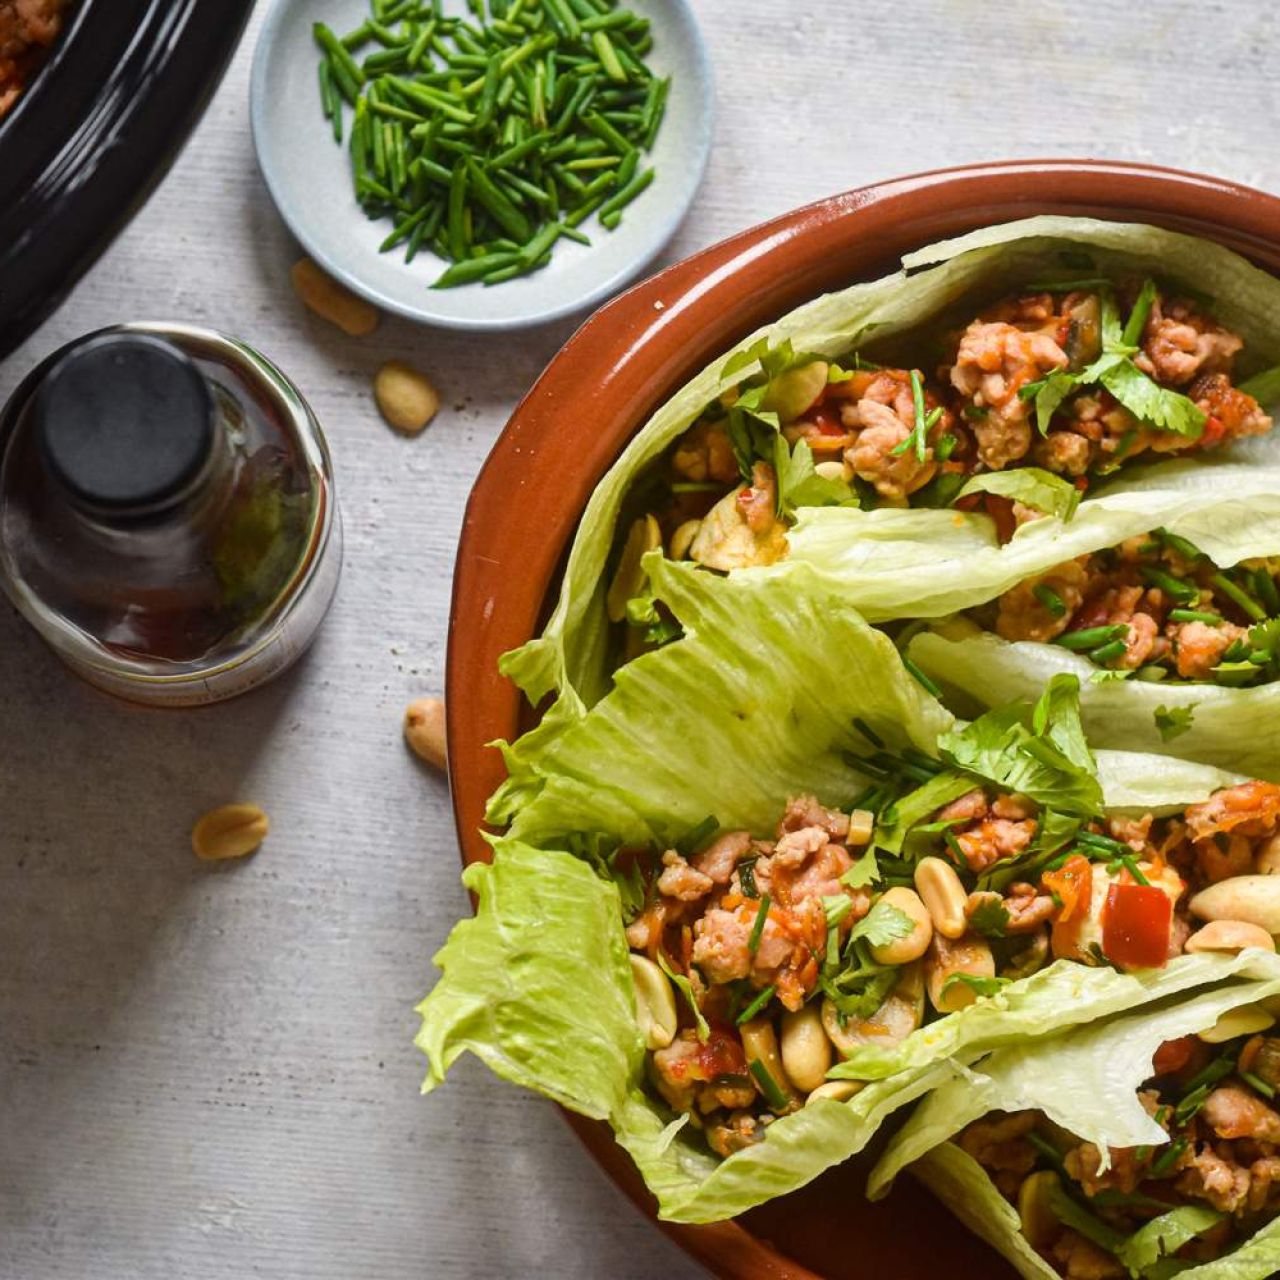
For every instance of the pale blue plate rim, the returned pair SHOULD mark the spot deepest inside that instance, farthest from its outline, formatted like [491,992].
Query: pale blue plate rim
[293,211]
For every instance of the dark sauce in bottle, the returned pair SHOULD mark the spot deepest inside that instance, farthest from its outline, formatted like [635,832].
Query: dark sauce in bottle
[167,516]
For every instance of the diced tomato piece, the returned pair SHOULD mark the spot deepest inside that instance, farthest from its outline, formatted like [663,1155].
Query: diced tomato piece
[828,423]
[1135,926]
[722,1055]
[1173,1055]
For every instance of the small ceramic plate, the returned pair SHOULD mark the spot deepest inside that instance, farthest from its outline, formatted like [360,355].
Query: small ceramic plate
[309,177]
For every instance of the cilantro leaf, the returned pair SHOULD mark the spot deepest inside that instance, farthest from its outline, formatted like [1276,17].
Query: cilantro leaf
[1039,752]
[1110,675]
[990,918]
[1172,722]
[1162,408]
[917,805]
[1265,636]
[1032,486]
[799,484]
[980,986]
[1162,1237]
[751,437]
[863,872]
[883,924]
[836,906]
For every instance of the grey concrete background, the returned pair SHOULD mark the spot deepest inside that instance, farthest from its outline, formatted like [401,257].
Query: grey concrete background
[207,1072]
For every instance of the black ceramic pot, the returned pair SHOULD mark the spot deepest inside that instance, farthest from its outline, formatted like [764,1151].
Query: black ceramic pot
[94,132]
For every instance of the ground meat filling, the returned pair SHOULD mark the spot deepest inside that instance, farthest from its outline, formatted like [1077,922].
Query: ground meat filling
[899,436]
[1152,605]
[764,931]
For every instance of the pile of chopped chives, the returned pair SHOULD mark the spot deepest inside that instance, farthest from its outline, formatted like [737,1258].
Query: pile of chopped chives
[488,140]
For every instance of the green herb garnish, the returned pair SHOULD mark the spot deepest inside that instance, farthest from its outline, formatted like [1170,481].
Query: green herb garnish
[753,942]
[490,140]
[1172,722]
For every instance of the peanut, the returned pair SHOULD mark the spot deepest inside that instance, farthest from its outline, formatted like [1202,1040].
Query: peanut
[1244,1020]
[232,831]
[424,730]
[332,301]
[655,1003]
[682,539]
[1254,899]
[1229,935]
[406,398]
[806,1051]
[835,1090]
[942,892]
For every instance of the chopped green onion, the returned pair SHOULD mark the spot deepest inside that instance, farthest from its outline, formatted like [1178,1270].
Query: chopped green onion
[769,1087]
[1091,637]
[1050,599]
[1108,652]
[921,678]
[1239,596]
[757,929]
[756,1005]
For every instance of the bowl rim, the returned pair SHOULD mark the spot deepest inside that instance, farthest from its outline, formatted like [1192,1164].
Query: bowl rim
[94,133]
[300,227]
[633,352]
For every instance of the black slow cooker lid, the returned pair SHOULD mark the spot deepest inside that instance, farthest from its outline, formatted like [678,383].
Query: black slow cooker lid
[92,135]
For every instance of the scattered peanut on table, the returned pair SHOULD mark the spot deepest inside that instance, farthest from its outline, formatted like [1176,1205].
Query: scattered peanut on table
[424,730]
[332,301]
[405,397]
[231,831]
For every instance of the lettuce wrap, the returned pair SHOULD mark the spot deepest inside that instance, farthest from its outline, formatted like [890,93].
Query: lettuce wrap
[1084,1088]
[775,687]
[572,658]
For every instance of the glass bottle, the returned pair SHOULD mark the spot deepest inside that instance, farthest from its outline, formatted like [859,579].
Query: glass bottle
[168,520]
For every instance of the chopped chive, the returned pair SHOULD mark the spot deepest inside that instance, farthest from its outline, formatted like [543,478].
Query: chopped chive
[611,210]
[1195,615]
[1050,599]
[769,1087]
[921,678]
[1264,586]
[1184,592]
[1091,637]
[1108,652]
[762,914]
[1240,597]
[756,1005]
[1131,865]
[1175,542]
[1165,1161]
[868,732]
[1255,1082]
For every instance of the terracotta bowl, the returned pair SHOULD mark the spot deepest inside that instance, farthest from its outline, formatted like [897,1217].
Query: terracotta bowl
[566,432]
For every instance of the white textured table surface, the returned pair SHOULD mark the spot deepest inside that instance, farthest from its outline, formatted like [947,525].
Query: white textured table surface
[208,1072]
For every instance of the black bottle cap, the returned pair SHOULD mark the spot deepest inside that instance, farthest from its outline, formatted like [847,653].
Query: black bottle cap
[125,423]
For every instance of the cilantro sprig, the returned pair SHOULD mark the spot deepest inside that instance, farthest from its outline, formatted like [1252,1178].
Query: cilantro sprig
[1115,370]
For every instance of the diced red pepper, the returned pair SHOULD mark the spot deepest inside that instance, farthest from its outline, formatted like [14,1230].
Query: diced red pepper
[828,423]
[1135,926]
[1173,1055]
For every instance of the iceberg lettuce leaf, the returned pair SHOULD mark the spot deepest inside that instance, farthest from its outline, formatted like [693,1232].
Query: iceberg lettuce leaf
[1088,1081]
[753,704]
[1230,728]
